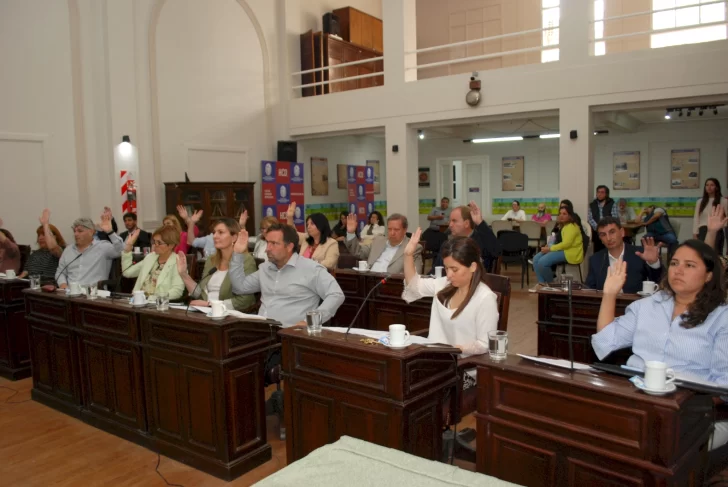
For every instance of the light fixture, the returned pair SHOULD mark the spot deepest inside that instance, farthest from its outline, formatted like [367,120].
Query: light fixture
[496,139]
[125,146]
[421,134]
[667,115]
[549,136]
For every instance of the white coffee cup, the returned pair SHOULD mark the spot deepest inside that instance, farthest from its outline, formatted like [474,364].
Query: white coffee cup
[649,287]
[137,250]
[218,309]
[139,298]
[363,265]
[74,288]
[439,270]
[398,335]
[658,375]
[10,274]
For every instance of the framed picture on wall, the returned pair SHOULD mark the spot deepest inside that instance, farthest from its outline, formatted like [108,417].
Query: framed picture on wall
[626,170]
[685,169]
[424,177]
[342,179]
[512,175]
[375,166]
[319,176]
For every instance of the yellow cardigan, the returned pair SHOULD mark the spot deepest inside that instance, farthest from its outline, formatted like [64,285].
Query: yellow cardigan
[571,244]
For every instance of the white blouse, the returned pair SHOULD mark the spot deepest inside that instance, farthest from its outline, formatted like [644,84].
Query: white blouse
[213,288]
[376,230]
[470,329]
[701,219]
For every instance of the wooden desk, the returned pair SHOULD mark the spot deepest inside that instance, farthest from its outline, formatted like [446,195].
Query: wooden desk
[385,306]
[553,322]
[186,386]
[336,385]
[14,349]
[545,426]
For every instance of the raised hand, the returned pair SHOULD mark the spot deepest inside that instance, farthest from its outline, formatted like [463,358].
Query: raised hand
[45,217]
[107,211]
[475,213]
[182,211]
[411,247]
[351,223]
[651,252]
[616,277]
[717,220]
[181,263]
[241,244]
[105,224]
[132,238]
[290,212]
[243,219]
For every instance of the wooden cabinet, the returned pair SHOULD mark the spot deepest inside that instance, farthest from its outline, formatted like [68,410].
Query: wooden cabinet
[361,29]
[14,348]
[217,200]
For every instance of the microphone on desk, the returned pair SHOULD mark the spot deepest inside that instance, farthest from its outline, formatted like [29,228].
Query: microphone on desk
[569,291]
[361,307]
[209,273]
[63,271]
[117,284]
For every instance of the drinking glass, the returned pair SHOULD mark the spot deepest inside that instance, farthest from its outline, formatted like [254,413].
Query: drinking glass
[93,291]
[565,279]
[314,322]
[498,344]
[162,301]
[35,281]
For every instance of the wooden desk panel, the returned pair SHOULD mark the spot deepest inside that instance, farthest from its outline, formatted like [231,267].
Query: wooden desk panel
[14,347]
[540,425]
[553,322]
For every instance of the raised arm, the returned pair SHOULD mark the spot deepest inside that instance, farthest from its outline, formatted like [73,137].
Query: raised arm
[51,242]
[716,222]
[117,244]
[190,283]
[290,212]
[410,272]
[352,243]
[242,283]
[616,277]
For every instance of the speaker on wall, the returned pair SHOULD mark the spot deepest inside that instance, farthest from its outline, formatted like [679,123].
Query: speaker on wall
[331,24]
[287,151]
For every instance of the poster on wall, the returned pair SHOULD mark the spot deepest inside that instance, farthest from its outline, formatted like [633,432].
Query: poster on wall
[341,176]
[375,167]
[424,177]
[319,176]
[685,169]
[360,181]
[626,170]
[282,185]
[512,173]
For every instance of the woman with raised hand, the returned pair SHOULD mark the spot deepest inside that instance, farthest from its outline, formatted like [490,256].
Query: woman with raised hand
[317,243]
[157,272]
[218,286]
[464,309]
[44,261]
[717,222]
[712,198]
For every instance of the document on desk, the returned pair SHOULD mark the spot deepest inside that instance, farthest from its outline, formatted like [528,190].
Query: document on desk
[230,312]
[565,364]
[376,334]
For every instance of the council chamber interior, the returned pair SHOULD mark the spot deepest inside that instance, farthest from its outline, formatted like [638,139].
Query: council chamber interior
[425,242]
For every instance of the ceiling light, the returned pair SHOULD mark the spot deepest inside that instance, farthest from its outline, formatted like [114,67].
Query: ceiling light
[667,115]
[125,146]
[421,134]
[549,136]
[496,139]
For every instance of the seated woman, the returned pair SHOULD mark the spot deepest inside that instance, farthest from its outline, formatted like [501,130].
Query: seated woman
[339,230]
[218,286]
[317,244]
[717,222]
[464,309]
[9,251]
[158,271]
[172,221]
[570,249]
[261,245]
[685,324]
[44,261]
[374,227]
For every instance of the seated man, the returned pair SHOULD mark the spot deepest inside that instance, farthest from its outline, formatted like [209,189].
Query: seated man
[130,222]
[467,221]
[383,254]
[658,226]
[440,215]
[290,285]
[642,264]
[515,214]
[88,261]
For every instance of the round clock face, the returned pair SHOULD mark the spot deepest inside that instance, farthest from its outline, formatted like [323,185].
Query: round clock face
[472,98]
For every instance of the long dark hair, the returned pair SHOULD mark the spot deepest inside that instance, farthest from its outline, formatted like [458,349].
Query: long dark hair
[8,235]
[465,251]
[339,224]
[380,218]
[713,293]
[322,224]
[716,199]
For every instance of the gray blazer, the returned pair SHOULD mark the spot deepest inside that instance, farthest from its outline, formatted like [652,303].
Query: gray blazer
[371,252]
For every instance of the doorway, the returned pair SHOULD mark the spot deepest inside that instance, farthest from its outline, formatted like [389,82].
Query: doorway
[464,179]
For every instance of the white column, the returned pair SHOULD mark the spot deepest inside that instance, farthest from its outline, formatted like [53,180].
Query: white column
[400,35]
[576,158]
[401,171]
[575,30]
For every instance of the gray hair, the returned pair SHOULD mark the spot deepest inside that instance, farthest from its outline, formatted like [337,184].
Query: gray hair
[622,200]
[398,216]
[84,222]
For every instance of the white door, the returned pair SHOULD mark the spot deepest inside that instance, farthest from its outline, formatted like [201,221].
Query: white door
[464,180]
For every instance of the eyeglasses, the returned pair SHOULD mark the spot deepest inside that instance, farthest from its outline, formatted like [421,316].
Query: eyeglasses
[159,242]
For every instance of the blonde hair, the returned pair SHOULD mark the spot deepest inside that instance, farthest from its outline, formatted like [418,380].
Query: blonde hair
[169,235]
[268,221]
[175,222]
[234,228]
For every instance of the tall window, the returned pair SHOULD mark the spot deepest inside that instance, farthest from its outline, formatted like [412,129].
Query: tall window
[691,18]
[550,13]
[600,47]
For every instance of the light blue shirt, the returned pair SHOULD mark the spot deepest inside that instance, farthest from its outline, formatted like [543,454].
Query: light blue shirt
[382,263]
[90,266]
[206,243]
[648,327]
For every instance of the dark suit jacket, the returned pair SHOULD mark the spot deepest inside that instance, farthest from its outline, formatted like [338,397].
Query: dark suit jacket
[637,270]
[489,247]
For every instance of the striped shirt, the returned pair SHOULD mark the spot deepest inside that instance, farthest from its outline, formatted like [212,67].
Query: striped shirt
[43,263]
[648,327]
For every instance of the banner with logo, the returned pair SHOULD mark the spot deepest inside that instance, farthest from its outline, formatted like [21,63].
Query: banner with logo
[283,185]
[360,185]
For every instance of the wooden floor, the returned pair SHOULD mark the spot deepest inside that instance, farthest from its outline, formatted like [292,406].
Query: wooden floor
[41,447]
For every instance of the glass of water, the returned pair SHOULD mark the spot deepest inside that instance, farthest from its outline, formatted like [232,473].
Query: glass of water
[497,344]
[314,322]
[93,291]
[162,301]
[35,281]
[565,279]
